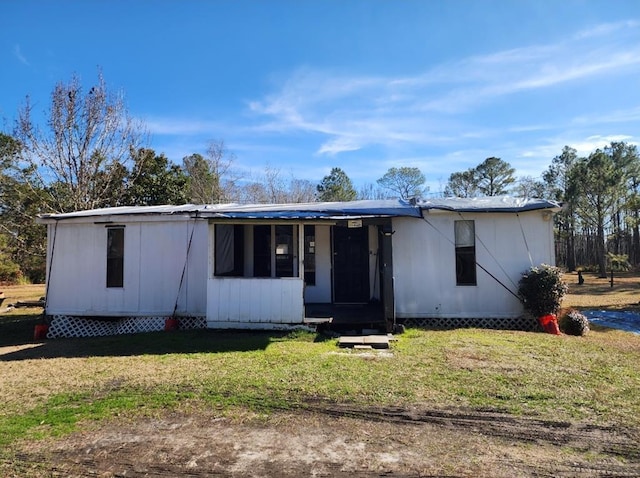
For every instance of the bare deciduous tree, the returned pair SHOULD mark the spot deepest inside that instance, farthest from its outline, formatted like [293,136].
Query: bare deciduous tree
[371,191]
[302,191]
[87,136]
[211,178]
[272,188]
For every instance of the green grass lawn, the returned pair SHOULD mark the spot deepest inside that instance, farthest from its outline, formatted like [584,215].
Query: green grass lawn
[48,388]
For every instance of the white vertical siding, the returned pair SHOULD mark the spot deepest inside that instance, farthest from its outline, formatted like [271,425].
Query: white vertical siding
[154,258]
[253,302]
[193,299]
[424,263]
[75,270]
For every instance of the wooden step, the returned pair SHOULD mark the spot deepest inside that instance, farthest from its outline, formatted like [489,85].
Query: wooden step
[317,320]
[374,341]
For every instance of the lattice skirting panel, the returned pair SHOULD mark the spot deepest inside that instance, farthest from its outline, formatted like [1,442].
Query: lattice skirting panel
[526,323]
[74,326]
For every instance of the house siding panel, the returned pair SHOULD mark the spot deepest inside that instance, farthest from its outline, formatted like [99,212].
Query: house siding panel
[425,283]
[253,302]
[154,257]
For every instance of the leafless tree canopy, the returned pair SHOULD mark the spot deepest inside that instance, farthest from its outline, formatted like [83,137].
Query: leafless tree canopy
[272,187]
[212,179]
[88,135]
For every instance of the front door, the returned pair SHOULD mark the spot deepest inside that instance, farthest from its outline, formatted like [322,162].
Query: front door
[350,265]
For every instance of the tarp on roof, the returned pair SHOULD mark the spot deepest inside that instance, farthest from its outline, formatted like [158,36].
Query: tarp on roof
[488,204]
[316,210]
[321,210]
[122,210]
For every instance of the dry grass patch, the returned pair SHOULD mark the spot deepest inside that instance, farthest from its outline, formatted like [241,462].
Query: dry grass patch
[597,293]
[15,293]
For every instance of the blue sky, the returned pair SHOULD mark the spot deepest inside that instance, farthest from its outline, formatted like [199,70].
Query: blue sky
[305,86]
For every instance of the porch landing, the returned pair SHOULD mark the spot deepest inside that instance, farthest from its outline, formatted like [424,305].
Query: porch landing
[346,318]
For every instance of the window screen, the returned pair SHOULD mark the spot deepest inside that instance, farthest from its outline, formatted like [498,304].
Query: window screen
[262,251]
[229,250]
[284,251]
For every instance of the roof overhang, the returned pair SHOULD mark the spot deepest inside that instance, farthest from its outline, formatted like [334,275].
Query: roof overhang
[318,211]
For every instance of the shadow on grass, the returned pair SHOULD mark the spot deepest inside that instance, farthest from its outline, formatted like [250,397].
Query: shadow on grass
[17,331]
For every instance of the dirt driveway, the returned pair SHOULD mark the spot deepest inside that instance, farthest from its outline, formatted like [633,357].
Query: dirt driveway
[328,439]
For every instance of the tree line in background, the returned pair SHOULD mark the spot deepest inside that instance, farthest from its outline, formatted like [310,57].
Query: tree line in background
[90,153]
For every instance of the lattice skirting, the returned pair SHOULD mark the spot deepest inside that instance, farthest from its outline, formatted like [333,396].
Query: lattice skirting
[525,322]
[74,326]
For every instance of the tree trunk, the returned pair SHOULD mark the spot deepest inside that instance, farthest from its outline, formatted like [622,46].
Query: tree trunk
[600,251]
[635,246]
[571,253]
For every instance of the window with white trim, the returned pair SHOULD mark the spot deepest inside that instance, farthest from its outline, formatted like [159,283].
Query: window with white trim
[465,237]
[115,256]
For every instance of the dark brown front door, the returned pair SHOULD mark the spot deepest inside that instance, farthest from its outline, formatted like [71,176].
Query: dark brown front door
[350,265]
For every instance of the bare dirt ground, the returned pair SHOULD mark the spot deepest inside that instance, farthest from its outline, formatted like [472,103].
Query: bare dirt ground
[338,440]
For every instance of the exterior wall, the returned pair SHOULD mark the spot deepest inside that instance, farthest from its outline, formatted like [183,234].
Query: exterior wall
[254,303]
[156,249]
[320,293]
[424,263]
[154,259]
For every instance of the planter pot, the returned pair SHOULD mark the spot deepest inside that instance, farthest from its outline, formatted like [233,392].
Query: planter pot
[40,332]
[550,324]
[171,323]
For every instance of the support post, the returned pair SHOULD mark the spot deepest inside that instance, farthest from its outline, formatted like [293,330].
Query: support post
[388,299]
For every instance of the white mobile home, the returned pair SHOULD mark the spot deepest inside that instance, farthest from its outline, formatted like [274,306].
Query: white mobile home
[445,262]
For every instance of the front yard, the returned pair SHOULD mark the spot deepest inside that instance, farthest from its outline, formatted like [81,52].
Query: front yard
[466,402]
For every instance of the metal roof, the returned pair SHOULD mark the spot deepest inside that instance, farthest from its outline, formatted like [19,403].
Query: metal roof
[320,210]
[489,204]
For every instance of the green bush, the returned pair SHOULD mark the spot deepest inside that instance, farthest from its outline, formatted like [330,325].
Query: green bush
[541,290]
[9,271]
[574,323]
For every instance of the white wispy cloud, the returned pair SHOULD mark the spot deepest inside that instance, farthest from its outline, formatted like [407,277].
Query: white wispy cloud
[589,144]
[606,29]
[351,112]
[17,51]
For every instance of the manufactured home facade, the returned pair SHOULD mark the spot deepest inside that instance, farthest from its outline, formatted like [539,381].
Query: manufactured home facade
[444,262]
